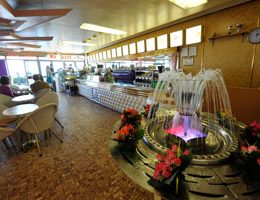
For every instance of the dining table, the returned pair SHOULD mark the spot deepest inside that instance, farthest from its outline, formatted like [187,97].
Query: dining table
[23,98]
[20,110]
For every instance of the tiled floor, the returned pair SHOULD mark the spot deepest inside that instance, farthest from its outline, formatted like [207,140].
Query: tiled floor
[80,168]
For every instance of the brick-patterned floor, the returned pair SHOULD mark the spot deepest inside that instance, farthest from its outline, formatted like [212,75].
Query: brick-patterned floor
[80,168]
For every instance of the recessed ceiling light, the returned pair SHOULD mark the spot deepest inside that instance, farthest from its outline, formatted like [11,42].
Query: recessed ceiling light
[187,4]
[93,27]
[79,43]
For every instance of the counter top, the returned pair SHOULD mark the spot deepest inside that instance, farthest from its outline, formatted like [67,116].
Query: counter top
[125,88]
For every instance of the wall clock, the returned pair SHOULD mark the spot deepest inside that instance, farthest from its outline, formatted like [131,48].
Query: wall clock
[254,36]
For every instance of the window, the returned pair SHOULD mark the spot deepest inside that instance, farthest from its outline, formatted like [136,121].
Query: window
[43,66]
[57,65]
[31,68]
[80,65]
[17,72]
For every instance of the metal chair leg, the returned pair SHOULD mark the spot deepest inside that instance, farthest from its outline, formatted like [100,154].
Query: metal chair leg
[59,123]
[37,143]
[5,143]
[56,136]
[13,145]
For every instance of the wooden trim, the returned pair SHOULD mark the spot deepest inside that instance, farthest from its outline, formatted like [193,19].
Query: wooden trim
[44,12]
[24,45]
[7,6]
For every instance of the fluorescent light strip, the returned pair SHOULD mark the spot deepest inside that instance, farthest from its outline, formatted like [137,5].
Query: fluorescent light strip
[102,29]
[79,43]
[187,4]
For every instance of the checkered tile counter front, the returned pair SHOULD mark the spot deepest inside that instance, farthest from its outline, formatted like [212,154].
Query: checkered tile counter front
[112,99]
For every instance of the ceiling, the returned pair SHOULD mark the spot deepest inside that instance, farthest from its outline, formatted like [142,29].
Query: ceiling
[42,25]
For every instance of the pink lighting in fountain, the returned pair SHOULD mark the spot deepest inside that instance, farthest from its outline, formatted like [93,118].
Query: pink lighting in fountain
[190,133]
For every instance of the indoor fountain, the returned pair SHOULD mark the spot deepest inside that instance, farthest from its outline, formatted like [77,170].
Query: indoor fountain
[198,117]
[194,118]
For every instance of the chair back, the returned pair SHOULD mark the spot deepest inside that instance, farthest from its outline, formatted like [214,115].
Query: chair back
[50,97]
[2,108]
[40,120]
[41,92]
[6,100]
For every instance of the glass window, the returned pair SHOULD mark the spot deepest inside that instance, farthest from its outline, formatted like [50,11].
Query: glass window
[31,68]
[80,65]
[69,64]
[43,66]
[57,65]
[17,72]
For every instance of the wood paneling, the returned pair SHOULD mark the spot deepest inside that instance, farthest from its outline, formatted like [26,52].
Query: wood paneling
[233,55]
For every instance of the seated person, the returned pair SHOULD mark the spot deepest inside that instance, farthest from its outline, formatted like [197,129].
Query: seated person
[5,86]
[38,84]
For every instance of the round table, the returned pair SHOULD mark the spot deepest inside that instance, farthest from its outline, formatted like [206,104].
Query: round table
[20,109]
[23,98]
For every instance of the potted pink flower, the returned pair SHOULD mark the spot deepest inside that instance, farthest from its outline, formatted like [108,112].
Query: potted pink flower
[168,168]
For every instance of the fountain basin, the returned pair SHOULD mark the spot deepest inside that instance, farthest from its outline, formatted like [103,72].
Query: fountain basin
[215,148]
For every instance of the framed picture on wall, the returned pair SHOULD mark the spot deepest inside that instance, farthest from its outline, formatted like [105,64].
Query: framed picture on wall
[184,52]
[192,50]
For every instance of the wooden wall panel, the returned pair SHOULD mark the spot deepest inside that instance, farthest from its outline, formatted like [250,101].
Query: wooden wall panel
[256,71]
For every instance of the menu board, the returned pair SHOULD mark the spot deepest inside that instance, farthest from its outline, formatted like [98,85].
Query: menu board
[113,53]
[119,51]
[176,38]
[140,46]
[150,44]
[193,35]
[162,42]
[104,55]
[125,50]
[100,56]
[108,54]
[132,48]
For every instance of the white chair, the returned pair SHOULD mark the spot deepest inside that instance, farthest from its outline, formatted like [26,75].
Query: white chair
[40,93]
[6,133]
[39,121]
[5,121]
[50,97]
[6,100]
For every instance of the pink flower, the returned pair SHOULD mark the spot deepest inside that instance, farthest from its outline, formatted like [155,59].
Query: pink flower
[174,148]
[258,161]
[159,157]
[243,148]
[252,148]
[177,162]
[186,152]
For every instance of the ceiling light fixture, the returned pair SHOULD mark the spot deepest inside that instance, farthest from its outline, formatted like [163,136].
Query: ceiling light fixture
[187,4]
[79,43]
[102,29]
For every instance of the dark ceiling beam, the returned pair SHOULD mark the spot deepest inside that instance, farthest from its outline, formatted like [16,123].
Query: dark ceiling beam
[7,6]
[24,45]
[43,12]
[28,39]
